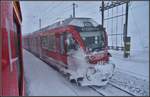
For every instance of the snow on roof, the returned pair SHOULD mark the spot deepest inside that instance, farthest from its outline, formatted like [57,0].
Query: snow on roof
[78,21]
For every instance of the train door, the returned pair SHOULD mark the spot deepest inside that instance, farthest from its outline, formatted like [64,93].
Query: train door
[28,43]
[62,43]
[72,45]
[37,46]
[63,48]
[40,46]
[18,54]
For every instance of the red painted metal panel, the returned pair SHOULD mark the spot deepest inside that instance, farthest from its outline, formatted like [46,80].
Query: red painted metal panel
[56,56]
[9,81]
[9,69]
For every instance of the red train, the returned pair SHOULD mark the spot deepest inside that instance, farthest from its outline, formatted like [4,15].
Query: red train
[77,47]
[11,63]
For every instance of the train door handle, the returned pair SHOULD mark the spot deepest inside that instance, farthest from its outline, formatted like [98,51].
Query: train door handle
[11,63]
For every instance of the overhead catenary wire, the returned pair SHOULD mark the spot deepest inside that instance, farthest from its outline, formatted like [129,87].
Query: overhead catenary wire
[122,21]
[112,29]
[45,10]
[56,15]
[51,12]
[116,25]
[62,9]
[53,16]
[108,21]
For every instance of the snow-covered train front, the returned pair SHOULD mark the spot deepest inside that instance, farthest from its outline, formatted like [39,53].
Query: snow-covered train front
[78,47]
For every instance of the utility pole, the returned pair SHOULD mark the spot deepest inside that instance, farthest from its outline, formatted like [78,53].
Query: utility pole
[73,10]
[126,38]
[102,10]
[39,23]
[108,6]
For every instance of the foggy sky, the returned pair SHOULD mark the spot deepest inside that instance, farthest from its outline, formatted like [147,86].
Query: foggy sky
[52,11]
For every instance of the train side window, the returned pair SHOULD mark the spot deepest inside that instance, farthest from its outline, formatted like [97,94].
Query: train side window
[52,43]
[45,42]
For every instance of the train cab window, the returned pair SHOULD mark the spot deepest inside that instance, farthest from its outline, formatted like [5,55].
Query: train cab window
[71,44]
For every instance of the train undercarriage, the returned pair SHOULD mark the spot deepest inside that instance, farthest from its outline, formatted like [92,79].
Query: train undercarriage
[82,73]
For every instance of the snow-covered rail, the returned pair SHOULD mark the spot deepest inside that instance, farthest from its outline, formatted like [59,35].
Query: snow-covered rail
[130,83]
[121,89]
[125,85]
[111,90]
[93,88]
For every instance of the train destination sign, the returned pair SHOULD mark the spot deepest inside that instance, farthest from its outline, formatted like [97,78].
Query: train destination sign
[88,29]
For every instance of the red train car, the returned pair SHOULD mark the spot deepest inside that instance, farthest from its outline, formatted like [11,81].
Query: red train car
[77,47]
[11,63]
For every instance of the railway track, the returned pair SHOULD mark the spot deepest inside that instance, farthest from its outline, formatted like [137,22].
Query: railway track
[111,90]
[122,89]
[96,90]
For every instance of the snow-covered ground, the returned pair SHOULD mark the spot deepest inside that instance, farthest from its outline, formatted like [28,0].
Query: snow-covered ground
[42,80]
[137,64]
[132,73]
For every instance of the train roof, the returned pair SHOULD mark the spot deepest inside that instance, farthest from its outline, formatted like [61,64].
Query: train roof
[78,21]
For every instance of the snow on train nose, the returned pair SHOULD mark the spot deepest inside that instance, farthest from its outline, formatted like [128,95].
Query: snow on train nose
[98,75]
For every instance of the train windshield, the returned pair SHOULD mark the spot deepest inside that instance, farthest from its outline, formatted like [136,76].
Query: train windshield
[94,41]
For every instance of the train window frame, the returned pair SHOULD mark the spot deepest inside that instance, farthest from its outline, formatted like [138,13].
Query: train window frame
[15,38]
[20,63]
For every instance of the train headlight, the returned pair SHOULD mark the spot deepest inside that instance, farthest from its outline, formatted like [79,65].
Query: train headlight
[90,71]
